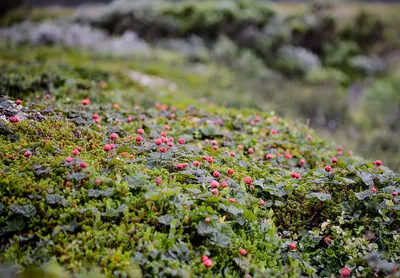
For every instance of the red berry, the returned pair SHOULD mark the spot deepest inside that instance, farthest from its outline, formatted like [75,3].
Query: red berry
[107,147]
[131,156]
[13,119]
[224,184]
[298,176]
[243,252]
[292,246]
[230,171]
[158,142]
[233,154]
[69,159]
[210,159]
[204,258]
[216,174]
[138,138]
[248,180]
[163,133]
[163,150]
[213,142]
[95,116]
[293,175]
[18,102]
[208,263]
[378,163]
[232,200]
[394,193]
[215,191]
[328,168]
[214,184]
[158,180]
[75,152]
[27,153]
[140,131]
[215,148]
[83,165]
[345,272]
[196,163]
[123,154]
[97,181]
[373,189]
[269,156]
[181,141]
[114,136]
[85,101]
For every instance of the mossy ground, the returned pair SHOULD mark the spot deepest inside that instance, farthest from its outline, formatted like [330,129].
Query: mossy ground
[113,216]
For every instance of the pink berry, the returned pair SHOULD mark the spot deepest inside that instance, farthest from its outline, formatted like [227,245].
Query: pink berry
[140,131]
[75,152]
[224,184]
[208,263]
[350,153]
[230,171]
[170,144]
[18,102]
[123,154]
[292,246]
[248,180]
[262,202]
[114,136]
[232,200]
[79,148]
[242,252]
[233,154]
[210,159]
[69,159]
[340,148]
[131,156]
[309,138]
[163,150]
[83,165]
[250,150]
[85,101]
[240,147]
[293,175]
[269,156]
[298,176]
[97,181]
[394,193]
[107,147]
[328,168]
[158,180]
[213,142]
[345,272]
[215,191]
[166,127]
[196,163]
[288,156]
[302,162]
[163,133]
[378,163]
[158,142]
[207,220]
[334,160]
[27,153]
[13,119]
[274,131]
[129,119]
[204,258]
[339,153]
[214,184]
[373,189]
[181,141]
[251,187]
[216,174]
[138,138]
[95,116]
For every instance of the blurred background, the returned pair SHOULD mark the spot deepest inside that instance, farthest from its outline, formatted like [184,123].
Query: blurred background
[332,64]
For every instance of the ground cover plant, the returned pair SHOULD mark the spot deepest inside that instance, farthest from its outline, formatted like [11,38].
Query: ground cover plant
[102,174]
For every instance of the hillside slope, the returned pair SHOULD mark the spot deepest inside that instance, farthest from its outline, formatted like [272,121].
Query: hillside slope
[135,180]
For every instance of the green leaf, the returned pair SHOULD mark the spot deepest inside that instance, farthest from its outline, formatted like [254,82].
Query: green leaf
[136,180]
[220,239]
[165,219]
[367,178]
[204,228]
[56,199]
[364,194]
[320,196]
[27,211]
